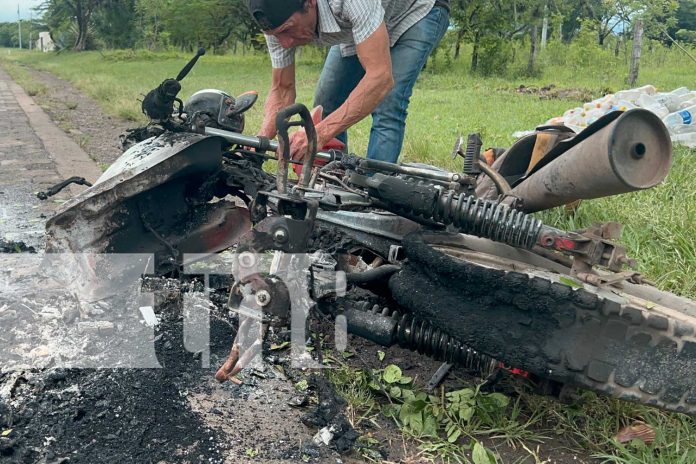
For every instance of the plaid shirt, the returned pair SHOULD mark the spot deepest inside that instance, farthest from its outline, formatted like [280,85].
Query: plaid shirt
[350,22]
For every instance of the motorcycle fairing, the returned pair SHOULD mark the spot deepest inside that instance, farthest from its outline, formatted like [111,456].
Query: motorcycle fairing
[152,200]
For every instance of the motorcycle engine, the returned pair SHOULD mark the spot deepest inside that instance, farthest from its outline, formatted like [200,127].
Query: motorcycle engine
[214,108]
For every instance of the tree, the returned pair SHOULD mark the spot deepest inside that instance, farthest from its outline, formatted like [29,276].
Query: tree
[114,23]
[686,15]
[194,23]
[78,13]
[487,24]
[685,29]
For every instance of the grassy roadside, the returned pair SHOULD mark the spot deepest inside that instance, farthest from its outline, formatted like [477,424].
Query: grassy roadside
[659,223]
[23,77]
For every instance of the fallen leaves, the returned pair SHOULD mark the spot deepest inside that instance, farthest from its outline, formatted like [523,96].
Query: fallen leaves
[637,431]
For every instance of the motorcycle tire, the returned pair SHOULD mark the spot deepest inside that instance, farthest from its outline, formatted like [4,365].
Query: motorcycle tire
[635,342]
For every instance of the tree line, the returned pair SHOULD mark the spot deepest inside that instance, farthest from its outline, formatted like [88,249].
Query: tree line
[489,27]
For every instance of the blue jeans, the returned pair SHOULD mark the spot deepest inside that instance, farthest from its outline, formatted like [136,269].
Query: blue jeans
[408,56]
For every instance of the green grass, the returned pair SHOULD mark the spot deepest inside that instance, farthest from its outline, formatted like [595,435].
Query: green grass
[591,422]
[23,77]
[449,101]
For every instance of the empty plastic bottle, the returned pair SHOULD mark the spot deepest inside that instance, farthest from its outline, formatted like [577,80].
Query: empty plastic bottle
[685,117]
[682,129]
[605,103]
[648,89]
[623,105]
[691,101]
[649,103]
[688,139]
[677,103]
[628,95]
[670,99]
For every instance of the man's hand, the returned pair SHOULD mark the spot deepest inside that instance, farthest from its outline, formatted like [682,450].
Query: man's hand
[298,140]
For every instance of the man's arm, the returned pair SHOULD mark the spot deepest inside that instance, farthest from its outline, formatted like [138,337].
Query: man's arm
[378,81]
[281,95]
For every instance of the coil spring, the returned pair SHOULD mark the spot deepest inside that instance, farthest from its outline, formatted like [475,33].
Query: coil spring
[487,219]
[420,336]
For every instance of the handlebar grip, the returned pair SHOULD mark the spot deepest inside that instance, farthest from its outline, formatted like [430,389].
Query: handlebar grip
[187,69]
[159,102]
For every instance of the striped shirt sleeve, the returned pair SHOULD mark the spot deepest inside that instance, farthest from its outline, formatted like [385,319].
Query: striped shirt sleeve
[280,57]
[365,16]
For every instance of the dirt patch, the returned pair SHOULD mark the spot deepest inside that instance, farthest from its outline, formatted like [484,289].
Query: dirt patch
[82,118]
[551,92]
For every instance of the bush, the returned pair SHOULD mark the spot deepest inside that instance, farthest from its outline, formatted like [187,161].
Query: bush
[495,54]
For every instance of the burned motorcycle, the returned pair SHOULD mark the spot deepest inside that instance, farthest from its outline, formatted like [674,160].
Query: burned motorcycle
[467,273]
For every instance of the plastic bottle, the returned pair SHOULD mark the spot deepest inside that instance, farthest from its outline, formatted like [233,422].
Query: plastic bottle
[682,129]
[685,117]
[648,90]
[574,120]
[688,103]
[681,101]
[592,116]
[667,98]
[688,139]
[604,103]
[649,103]
[623,105]
[572,112]
[633,95]
[628,95]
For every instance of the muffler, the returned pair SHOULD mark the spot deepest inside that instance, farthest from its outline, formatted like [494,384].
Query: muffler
[634,152]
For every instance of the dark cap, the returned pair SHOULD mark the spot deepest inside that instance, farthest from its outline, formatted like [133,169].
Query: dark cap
[271,14]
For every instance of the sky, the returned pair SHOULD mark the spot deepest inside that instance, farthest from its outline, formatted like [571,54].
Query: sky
[8,9]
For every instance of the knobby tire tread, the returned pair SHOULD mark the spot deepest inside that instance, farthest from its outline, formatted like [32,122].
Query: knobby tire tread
[580,336]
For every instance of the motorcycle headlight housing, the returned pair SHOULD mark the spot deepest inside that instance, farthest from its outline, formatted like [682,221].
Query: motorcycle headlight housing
[214,108]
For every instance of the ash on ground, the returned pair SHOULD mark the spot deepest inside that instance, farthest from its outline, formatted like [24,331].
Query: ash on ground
[116,379]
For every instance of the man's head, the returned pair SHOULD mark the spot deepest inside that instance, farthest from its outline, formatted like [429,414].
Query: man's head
[292,22]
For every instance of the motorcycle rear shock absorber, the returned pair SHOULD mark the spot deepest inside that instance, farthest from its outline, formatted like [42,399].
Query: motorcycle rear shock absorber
[387,328]
[471,215]
[487,219]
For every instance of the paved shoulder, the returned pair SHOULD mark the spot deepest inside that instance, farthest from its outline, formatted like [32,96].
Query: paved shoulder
[34,155]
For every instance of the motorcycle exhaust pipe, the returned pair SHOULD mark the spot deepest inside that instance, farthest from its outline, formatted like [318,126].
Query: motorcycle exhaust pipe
[632,153]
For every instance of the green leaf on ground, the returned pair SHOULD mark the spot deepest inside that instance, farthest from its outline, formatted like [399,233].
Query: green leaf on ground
[302,385]
[391,373]
[570,282]
[481,455]
[275,347]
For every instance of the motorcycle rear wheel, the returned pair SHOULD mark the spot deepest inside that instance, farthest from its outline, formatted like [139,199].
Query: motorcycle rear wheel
[635,343]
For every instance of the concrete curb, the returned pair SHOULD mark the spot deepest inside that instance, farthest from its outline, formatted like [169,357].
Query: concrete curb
[69,158]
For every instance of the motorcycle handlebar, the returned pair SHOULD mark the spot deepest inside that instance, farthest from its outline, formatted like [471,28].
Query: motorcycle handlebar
[266,144]
[258,143]
[187,69]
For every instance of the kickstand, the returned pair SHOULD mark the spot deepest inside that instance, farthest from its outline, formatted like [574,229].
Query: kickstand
[438,377]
